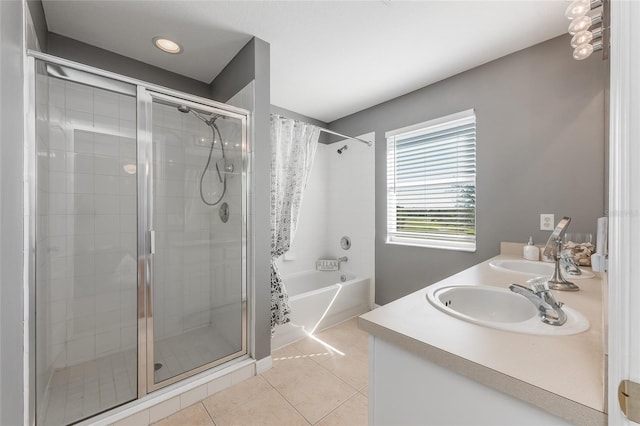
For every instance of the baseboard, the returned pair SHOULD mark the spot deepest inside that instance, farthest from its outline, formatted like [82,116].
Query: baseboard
[264,364]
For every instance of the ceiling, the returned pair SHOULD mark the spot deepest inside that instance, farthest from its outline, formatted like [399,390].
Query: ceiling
[329,59]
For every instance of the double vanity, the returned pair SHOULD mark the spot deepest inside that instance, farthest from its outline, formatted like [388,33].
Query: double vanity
[468,350]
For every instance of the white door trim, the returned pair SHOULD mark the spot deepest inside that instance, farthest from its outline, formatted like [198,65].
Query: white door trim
[624,203]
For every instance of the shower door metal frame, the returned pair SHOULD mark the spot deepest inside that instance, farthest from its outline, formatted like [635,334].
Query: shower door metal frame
[144,92]
[146,382]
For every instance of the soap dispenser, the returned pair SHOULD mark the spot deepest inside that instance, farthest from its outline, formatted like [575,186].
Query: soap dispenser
[530,251]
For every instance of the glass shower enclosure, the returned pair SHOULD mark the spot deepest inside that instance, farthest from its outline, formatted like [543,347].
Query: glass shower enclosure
[138,206]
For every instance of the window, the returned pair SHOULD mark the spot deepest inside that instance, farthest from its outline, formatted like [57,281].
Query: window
[431,183]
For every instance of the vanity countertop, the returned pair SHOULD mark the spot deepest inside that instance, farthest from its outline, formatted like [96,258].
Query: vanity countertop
[563,375]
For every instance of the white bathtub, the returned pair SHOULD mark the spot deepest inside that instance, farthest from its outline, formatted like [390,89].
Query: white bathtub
[320,300]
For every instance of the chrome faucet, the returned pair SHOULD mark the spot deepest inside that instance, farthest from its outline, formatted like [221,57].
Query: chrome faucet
[549,309]
[568,263]
[554,248]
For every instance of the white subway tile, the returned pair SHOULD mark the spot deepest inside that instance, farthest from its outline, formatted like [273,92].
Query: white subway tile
[128,336]
[106,184]
[80,183]
[128,127]
[80,350]
[192,396]
[57,138]
[80,224]
[164,409]
[127,106]
[139,419]
[107,342]
[106,166]
[106,103]
[108,321]
[243,374]
[79,96]
[78,119]
[107,223]
[107,204]
[106,124]
[219,384]
[56,92]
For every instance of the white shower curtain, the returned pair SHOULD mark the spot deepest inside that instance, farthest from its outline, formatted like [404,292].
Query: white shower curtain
[293,146]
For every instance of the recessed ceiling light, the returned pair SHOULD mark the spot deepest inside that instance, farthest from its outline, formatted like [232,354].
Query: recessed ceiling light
[167,45]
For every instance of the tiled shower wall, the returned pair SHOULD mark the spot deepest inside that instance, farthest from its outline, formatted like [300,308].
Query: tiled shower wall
[198,258]
[86,229]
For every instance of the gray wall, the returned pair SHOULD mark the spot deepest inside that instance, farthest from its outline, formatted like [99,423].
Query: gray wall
[237,74]
[11,212]
[39,22]
[540,149]
[252,63]
[83,53]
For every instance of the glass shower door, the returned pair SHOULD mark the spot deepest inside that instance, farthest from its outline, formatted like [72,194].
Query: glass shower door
[85,239]
[197,239]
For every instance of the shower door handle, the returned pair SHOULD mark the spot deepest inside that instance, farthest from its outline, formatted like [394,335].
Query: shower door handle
[152,242]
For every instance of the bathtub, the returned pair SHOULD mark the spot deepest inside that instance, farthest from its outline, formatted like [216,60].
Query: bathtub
[320,300]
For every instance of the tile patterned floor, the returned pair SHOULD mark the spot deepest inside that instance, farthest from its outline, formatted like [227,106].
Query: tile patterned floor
[316,381]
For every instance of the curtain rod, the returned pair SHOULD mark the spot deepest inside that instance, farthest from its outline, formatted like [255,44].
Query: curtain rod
[322,129]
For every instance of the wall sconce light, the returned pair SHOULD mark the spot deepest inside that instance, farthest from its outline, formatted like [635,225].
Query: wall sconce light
[589,27]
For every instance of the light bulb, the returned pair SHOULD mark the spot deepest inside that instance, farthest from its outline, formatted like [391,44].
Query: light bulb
[583,51]
[583,37]
[577,9]
[579,24]
[167,45]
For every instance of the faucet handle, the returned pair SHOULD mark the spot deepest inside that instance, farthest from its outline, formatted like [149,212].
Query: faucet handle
[539,284]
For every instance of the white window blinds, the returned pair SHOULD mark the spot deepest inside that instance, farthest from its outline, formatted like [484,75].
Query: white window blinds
[431,183]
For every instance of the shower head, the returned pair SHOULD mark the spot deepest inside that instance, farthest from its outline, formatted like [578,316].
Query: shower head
[344,148]
[185,109]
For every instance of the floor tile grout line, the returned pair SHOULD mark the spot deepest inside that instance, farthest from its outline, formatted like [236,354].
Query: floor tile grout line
[353,388]
[339,405]
[339,378]
[289,402]
[207,411]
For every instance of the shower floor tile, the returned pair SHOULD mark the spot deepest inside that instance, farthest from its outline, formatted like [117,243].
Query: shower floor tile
[85,389]
[190,350]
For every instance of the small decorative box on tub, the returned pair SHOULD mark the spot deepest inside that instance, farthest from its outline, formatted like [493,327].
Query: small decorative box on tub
[327,265]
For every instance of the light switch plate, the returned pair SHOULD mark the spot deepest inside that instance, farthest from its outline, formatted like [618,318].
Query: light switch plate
[547,222]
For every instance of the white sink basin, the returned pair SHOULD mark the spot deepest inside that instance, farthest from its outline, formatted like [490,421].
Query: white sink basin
[530,267]
[500,308]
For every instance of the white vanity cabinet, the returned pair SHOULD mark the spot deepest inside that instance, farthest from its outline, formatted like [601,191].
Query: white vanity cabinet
[406,389]
[429,368]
